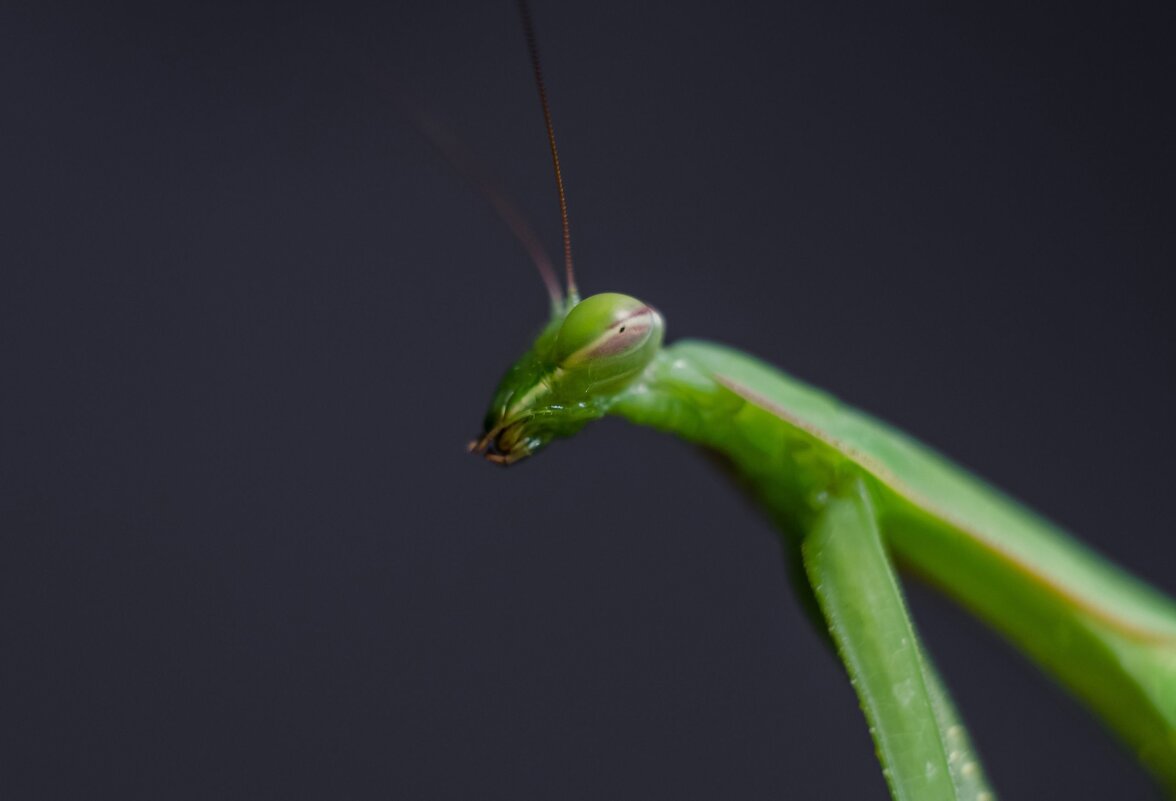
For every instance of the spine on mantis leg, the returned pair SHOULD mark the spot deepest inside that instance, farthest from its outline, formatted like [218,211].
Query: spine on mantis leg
[1106,636]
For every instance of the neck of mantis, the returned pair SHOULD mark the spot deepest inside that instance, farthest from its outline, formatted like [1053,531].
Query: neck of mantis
[1110,639]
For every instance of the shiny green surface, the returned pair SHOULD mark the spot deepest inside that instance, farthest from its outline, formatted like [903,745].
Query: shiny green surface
[1110,639]
[920,745]
[584,357]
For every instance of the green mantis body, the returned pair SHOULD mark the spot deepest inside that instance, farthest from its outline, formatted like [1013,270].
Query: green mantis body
[810,460]
[853,497]
[1109,638]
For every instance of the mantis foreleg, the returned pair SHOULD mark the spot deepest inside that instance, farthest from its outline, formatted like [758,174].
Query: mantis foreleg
[924,751]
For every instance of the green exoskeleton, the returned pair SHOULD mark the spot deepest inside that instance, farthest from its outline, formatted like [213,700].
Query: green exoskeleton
[853,496]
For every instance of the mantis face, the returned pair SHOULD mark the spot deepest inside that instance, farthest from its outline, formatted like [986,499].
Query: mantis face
[585,357]
[580,362]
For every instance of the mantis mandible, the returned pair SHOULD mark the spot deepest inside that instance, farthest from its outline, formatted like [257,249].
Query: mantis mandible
[853,498]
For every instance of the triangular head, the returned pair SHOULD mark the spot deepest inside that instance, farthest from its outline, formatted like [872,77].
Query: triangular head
[586,355]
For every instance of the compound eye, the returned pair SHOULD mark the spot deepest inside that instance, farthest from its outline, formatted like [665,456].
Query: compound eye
[604,326]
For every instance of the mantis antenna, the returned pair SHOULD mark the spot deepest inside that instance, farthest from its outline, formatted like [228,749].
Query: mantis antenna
[466,166]
[533,48]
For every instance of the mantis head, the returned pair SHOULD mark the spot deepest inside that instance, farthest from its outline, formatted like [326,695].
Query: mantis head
[585,357]
[581,361]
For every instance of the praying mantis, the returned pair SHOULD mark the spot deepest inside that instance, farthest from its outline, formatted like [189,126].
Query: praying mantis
[853,499]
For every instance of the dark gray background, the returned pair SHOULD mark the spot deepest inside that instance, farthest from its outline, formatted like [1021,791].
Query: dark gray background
[250,320]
